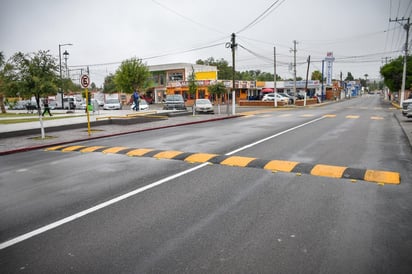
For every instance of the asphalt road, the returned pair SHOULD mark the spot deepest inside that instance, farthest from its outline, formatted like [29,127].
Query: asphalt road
[95,212]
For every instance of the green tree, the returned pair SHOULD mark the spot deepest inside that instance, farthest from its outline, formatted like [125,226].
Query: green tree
[217,89]
[349,77]
[132,75]
[109,85]
[393,72]
[316,75]
[35,75]
[3,81]
[192,87]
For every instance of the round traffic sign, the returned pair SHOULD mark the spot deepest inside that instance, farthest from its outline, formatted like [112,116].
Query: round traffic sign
[85,81]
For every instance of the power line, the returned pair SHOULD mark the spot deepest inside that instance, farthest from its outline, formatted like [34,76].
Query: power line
[262,16]
[152,57]
[185,17]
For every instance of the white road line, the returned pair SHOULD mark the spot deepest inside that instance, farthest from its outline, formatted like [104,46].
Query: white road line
[95,208]
[274,136]
[134,192]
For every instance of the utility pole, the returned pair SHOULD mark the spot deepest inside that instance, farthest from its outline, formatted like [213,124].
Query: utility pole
[232,44]
[405,58]
[294,66]
[322,91]
[307,78]
[274,77]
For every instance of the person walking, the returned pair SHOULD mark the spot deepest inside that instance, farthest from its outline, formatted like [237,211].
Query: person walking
[136,100]
[46,108]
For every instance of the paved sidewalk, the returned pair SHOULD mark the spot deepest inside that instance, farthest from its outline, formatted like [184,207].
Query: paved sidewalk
[65,133]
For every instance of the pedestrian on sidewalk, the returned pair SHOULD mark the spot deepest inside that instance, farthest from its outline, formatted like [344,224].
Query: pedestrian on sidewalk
[136,100]
[46,108]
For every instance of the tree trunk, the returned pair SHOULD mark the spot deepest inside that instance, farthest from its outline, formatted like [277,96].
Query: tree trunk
[2,107]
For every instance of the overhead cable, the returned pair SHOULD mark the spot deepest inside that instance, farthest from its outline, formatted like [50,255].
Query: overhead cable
[262,16]
[153,57]
[186,18]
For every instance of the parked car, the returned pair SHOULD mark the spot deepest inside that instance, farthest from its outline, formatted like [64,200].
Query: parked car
[204,105]
[409,111]
[20,105]
[174,101]
[290,97]
[112,104]
[143,105]
[405,105]
[148,99]
[271,97]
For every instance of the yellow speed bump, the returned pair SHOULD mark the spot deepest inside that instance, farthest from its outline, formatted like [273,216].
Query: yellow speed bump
[277,165]
[91,149]
[168,154]
[387,177]
[328,171]
[139,152]
[71,148]
[114,150]
[54,148]
[200,157]
[237,161]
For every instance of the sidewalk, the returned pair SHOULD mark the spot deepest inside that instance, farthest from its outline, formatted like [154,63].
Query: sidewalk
[18,137]
[405,123]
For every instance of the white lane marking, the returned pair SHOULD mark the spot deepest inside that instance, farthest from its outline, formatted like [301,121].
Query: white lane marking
[274,136]
[134,192]
[95,208]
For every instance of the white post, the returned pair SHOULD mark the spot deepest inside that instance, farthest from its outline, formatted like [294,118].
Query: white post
[233,102]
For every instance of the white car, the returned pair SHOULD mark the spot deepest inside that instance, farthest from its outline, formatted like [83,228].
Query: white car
[143,105]
[271,97]
[204,105]
[405,105]
[112,104]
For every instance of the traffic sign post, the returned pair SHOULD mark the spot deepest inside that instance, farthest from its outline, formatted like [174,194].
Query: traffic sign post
[85,82]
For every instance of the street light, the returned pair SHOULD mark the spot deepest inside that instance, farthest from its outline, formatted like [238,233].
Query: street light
[60,68]
[66,56]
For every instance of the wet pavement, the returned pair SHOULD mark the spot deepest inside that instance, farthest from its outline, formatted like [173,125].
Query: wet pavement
[73,127]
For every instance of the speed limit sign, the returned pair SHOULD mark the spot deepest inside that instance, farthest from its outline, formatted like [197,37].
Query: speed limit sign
[85,81]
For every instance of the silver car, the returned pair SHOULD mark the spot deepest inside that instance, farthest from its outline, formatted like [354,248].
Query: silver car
[112,104]
[204,105]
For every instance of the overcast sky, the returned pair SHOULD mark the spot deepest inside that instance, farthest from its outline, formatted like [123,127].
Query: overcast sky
[105,32]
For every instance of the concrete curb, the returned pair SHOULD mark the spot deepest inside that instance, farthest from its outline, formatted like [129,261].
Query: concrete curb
[111,135]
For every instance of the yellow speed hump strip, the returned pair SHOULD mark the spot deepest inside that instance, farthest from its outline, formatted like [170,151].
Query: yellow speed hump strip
[338,172]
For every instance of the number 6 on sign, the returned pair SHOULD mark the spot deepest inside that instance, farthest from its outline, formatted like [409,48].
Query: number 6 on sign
[85,81]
